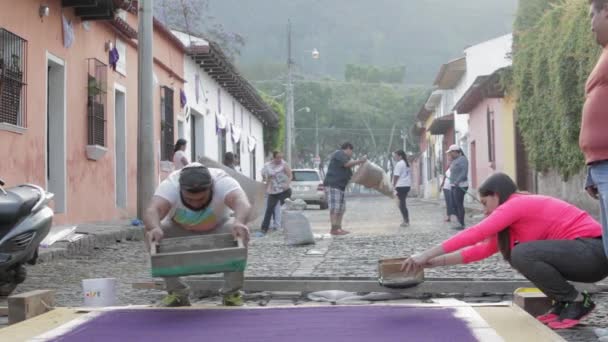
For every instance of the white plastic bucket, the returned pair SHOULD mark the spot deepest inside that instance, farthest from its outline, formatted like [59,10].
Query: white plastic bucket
[99,292]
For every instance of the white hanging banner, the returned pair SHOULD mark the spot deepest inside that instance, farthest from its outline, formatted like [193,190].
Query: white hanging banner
[187,111]
[236,133]
[221,121]
[251,141]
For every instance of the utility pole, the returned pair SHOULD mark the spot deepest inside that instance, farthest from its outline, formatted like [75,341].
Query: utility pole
[317,135]
[145,130]
[289,100]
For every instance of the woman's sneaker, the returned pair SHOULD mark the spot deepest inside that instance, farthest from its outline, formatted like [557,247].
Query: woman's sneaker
[573,313]
[553,313]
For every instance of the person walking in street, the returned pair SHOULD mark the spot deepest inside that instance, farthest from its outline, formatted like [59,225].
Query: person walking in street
[447,196]
[275,223]
[338,175]
[402,183]
[197,200]
[549,241]
[278,176]
[459,184]
[179,155]
[593,140]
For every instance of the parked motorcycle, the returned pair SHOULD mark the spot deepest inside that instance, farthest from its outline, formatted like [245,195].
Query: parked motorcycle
[25,220]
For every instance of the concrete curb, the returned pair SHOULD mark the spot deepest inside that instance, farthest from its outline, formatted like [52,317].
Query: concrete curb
[96,236]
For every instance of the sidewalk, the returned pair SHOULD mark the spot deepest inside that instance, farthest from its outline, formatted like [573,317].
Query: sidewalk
[97,236]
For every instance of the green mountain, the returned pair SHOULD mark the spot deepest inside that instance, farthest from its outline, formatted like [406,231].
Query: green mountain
[419,34]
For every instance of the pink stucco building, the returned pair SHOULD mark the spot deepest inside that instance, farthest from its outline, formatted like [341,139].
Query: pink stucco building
[494,142]
[68,118]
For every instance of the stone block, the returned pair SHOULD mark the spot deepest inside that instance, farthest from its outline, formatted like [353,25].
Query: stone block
[534,303]
[29,304]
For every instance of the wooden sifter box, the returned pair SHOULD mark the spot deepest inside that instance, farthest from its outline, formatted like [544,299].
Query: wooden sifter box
[391,276]
[192,255]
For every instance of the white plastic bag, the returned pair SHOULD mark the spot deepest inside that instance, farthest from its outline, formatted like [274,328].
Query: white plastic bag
[297,228]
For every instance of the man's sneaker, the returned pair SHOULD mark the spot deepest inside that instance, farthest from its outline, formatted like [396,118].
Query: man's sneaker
[553,313]
[573,313]
[173,300]
[233,299]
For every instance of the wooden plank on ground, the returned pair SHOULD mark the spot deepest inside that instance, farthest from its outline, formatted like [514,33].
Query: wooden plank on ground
[362,284]
[29,304]
[514,324]
[26,330]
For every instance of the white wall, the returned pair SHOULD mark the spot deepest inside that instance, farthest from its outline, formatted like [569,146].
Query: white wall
[482,59]
[207,106]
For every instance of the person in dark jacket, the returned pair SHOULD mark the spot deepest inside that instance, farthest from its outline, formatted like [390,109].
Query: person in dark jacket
[459,182]
[338,175]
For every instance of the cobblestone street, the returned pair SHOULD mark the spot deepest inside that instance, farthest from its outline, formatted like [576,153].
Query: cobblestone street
[373,221]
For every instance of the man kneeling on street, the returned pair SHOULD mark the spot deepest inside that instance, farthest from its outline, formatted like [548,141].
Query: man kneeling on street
[197,200]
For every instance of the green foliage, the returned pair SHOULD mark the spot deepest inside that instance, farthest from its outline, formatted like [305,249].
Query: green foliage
[551,63]
[362,113]
[274,137]
[374,74]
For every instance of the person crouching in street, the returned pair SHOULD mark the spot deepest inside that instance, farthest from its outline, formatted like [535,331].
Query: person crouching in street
[338,175]
[197,200]
[549,241]
[402,183]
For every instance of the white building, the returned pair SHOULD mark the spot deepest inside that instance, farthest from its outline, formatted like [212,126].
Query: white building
[223,111]
[444,126]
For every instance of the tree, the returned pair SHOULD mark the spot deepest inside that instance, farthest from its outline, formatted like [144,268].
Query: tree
[192,16]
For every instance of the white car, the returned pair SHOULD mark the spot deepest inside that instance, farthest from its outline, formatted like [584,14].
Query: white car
[308,186]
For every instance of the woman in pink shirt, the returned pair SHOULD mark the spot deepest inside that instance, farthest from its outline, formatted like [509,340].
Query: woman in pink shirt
[549,241]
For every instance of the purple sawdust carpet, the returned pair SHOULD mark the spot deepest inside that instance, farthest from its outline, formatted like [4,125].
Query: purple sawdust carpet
[303,324]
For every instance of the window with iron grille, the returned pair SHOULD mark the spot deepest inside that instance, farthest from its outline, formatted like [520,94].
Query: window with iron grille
[166,123]
[96,103]
[13,74]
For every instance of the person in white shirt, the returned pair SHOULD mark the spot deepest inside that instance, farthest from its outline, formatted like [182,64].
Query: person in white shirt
[402,183]
[179,156]
[447,196]
[197,200]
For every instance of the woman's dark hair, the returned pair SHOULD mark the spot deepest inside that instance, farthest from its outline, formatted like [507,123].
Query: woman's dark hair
[229,159]
[178,144]
[502,185]
[275,153]
[403,156]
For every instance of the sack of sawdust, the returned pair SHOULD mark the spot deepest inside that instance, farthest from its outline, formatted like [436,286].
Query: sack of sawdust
[298,204]
[373,176]
[255,190]
[297,228]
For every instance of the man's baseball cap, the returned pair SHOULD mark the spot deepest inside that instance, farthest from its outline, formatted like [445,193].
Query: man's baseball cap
[453,148]
[195,177]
